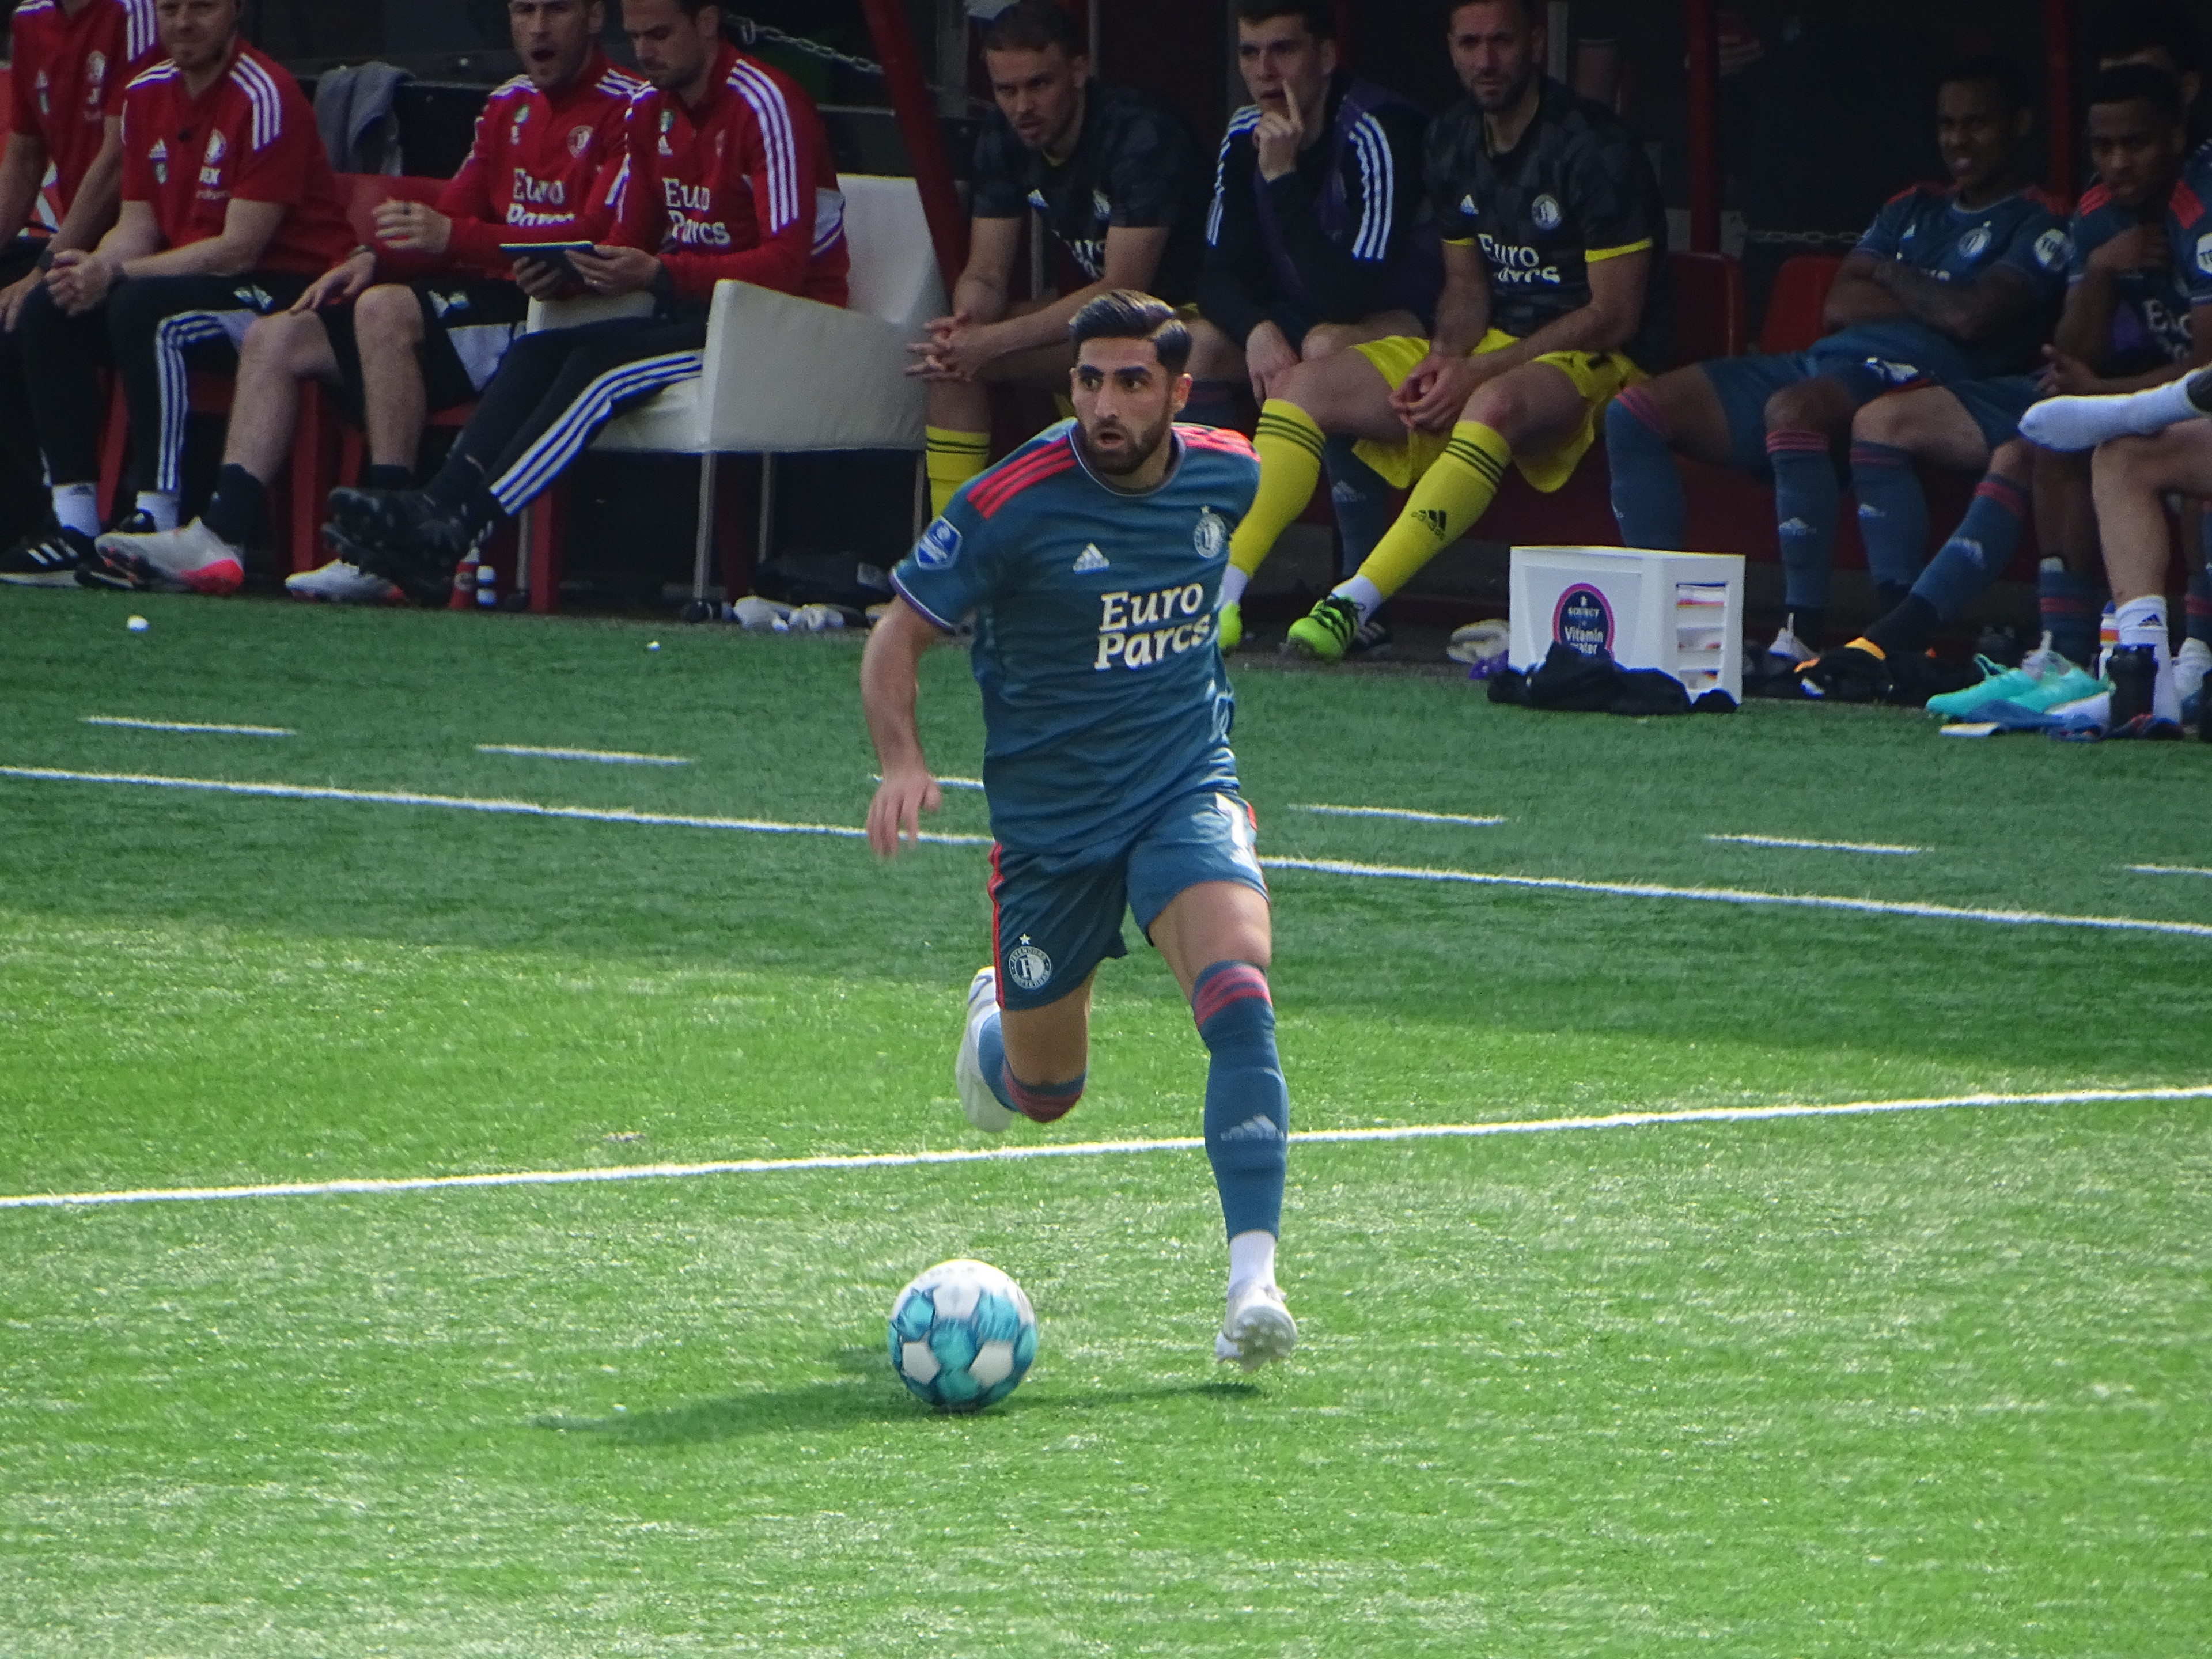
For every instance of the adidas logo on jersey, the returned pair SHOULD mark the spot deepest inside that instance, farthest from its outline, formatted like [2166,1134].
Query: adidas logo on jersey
[1430,519]
[1091,559]
[1467,206]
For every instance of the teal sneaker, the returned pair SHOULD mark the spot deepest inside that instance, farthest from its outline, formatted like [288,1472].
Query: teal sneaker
[2068,684]
[2002,685]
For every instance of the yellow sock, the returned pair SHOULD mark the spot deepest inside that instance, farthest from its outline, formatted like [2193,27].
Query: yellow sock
[1290,446]
[1450,496]
[952,458]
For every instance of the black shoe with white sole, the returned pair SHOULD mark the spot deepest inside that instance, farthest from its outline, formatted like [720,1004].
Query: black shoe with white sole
[50,557]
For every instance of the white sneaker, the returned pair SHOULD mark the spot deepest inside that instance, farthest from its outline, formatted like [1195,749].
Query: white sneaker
[1788,646]
[1258,1330]
[340,583]
[190,559]
[2190,665]
[977,1100]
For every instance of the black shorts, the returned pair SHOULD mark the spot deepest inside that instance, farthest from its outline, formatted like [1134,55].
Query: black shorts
[467,326]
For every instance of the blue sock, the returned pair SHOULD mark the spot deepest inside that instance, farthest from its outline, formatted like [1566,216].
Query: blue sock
[1247,1108]
[1648,503]
[1361,499]
[1893,513]
[2069,607]
[1979,548]
[1039,1101]
[1805,503]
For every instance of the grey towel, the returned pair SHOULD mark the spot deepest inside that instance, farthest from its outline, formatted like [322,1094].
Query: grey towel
[353,113]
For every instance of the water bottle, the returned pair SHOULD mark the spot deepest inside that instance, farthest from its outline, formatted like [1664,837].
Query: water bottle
[464,584]
[487,586]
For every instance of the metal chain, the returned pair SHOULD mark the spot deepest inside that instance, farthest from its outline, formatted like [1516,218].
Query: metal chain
[749,31]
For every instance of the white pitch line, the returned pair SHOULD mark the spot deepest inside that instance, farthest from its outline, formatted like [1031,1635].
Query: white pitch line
[1405,812]
[466,804]
[610,756]
[190,725]
[1322,866]
[1074,1149]
[942,783]
[1741,896]
[1820,846]
[2168,869]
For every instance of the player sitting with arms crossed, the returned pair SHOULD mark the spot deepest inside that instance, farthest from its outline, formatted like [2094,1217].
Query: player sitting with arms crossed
[1554,277]
[548,146]
[1091,558]
[69,63]
[1317,240]
[727,176]
[1952,288]
[229,211]
[1122,188]
[2129,322]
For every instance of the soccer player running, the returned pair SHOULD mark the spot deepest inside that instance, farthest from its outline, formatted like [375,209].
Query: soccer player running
[2129,322]
[1317,238]
[727,177]
[229,210]
[1121,189]
[1091,558]
[1554,300]
[69,63]
[548,146]
[1954,287]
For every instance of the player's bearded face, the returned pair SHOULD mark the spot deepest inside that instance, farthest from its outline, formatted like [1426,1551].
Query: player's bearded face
[1040,93]
[552,38]
[1495,50]
[1125,402]
[196,34]
[673,50]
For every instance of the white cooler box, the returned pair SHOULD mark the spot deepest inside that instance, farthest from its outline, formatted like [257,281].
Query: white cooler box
[1681,613]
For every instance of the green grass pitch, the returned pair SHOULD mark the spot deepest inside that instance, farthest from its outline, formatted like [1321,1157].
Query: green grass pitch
[1930,1382]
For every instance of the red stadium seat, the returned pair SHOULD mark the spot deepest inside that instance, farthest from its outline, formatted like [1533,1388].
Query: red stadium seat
[1796,309]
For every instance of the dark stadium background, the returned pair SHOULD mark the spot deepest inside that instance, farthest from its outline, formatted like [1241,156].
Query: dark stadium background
[1828,118]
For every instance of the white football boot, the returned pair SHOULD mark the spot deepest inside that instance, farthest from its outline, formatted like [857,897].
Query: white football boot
[977,1100]
[1258,1330]
[341,583]
[190,559]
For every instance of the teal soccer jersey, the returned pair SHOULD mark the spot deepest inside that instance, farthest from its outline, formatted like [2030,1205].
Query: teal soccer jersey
[1104,691]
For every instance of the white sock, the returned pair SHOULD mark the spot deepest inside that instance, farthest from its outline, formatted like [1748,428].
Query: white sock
[1252,1256]
[1364,594]
[159,506]
[77,508]
[2075,423]
[1233,584]
[2143,622]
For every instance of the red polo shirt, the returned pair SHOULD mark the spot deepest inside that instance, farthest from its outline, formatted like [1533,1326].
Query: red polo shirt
[741,186]
[68,74]
[539,166]
[251,135]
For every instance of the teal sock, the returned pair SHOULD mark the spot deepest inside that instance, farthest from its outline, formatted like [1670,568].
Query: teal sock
[1248,1107]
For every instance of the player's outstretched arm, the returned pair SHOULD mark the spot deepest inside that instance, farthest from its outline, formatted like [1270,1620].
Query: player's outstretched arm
[890,681]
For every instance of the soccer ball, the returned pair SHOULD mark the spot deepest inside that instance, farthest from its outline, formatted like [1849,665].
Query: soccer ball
[962,1335]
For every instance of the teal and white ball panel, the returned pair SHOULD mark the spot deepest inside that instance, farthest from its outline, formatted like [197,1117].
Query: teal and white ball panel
[962,1335]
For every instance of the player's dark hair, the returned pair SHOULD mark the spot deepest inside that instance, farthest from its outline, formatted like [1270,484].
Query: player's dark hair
[1991,69]
[2132,28]
[1318,16]
[1530,17]
[1126,315]
[1031,26]
[2145,84]
[691,8]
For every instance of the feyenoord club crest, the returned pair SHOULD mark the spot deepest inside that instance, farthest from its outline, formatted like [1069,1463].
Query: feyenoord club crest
[579,140]
[158,155]
[1211,534]
[1027,966]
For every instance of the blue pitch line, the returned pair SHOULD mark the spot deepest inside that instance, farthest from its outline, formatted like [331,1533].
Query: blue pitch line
[1322,866]
[1075,1149]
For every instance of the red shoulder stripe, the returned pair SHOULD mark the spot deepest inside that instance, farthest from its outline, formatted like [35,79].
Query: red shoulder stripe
[1020,474]
[2092,198]
[1221,438]
[2183,205]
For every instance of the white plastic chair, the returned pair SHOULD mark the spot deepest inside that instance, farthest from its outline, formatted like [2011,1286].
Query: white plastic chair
[785,376]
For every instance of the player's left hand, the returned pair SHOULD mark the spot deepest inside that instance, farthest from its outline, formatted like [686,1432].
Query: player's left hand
[610,269]
[2062,375]
[416,227]
[960,354]
[79,280]
[894,814]
[1436,392]
[340,284]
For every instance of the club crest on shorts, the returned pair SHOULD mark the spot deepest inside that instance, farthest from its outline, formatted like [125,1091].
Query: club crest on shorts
[1211,534]
[1544,210]
[1028,967]
[938,546]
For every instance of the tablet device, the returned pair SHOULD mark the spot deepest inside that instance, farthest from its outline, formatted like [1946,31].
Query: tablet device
[550,254]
